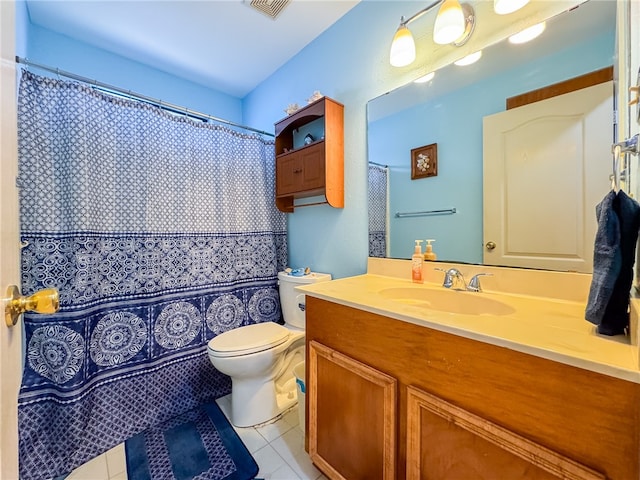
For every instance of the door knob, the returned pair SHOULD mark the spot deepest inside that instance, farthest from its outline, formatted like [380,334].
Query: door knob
[490,245]
[43,301]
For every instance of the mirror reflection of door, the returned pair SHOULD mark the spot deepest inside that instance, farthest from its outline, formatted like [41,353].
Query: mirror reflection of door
[546,166]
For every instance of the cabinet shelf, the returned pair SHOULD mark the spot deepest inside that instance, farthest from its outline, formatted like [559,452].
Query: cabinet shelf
[314,169]
[295,150]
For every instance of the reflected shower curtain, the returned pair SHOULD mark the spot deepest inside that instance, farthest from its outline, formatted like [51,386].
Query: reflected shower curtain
[378,189]
[160,232]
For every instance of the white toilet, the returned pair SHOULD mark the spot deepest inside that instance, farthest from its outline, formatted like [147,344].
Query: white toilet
[260,358]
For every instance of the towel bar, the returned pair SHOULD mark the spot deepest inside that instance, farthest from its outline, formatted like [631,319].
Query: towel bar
[630,145]
[447,211]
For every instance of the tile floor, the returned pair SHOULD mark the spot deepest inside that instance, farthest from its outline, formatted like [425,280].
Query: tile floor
[277,447]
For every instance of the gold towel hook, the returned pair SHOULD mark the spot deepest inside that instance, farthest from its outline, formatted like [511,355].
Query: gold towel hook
[43,301]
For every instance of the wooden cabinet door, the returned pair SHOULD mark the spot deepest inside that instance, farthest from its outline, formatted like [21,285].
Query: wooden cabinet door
[352,417]
[313,166]
[446,442]
[301,171]
[288,171]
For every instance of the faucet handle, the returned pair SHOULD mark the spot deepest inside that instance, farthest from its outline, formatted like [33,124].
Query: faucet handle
[474,283]
[448,281]
[453,278]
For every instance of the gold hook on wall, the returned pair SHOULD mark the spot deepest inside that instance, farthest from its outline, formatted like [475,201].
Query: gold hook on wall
[43,301]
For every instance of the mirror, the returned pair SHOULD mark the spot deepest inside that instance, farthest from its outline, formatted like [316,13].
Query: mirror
[448,111]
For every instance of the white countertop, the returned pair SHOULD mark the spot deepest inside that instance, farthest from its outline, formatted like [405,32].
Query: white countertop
[554,329]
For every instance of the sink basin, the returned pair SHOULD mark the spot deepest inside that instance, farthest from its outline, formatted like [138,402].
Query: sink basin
[443,300]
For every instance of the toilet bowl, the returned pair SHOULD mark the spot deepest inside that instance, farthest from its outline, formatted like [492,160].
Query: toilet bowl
[260,358]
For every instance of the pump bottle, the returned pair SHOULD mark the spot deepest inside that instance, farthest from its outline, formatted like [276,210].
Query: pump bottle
[429,254]
[417,261]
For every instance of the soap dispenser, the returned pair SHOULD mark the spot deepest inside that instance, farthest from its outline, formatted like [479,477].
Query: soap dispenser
[417,261]
[429,254]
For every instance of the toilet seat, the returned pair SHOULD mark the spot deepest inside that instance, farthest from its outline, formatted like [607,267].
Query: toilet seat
[248,339]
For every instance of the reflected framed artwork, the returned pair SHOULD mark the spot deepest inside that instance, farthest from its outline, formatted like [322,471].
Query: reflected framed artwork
[424,161]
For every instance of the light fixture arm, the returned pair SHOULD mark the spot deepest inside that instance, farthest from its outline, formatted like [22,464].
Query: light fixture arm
[420,13]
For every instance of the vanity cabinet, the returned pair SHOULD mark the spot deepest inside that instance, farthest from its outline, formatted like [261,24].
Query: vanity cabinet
[310,155]
[463,408]
[356,404]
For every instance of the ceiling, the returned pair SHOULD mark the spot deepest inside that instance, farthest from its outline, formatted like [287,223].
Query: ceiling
[225,45]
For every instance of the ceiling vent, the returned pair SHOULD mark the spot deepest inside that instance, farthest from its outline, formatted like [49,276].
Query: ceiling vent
[271,8]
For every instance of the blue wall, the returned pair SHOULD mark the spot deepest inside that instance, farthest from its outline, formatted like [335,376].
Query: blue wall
[349,63]
[454,122]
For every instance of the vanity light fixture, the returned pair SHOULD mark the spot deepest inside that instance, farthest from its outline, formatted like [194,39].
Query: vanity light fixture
[425,78]
[403,48]
[528,34]
[454,24]
[503,7]
[469,59]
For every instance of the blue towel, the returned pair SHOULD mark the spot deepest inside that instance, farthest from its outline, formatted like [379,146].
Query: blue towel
[613,257]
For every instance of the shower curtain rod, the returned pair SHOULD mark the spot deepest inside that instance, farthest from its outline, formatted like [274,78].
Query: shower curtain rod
[137,96]
[378,164]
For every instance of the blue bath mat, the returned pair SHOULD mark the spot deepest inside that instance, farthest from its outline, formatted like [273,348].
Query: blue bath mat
[200,444]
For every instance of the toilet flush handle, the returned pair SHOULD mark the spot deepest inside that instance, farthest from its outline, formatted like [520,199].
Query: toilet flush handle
[300,299]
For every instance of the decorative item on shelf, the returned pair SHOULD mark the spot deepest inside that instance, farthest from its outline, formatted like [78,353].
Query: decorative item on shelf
[315,96]
[308,139]
[292,108]
[424,161]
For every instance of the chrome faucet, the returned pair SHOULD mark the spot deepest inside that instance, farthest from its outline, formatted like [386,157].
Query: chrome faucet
[453,278]
[474,283]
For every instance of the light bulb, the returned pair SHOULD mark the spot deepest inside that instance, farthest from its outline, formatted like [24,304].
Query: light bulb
[450,23]
[503,7]
[403,48]
[528,34]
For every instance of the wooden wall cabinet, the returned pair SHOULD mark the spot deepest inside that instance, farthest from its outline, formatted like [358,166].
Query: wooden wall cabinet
[316,169]
[465,408]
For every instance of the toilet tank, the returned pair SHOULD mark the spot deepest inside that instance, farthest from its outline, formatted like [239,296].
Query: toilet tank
[290,300]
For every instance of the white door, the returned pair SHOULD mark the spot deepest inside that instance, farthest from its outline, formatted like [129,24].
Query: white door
[10,339]
[546,166]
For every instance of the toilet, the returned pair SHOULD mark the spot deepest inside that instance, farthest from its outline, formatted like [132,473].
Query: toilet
[260,358]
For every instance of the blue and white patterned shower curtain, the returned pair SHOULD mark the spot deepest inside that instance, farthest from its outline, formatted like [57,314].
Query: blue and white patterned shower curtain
[160,232]
[378,200]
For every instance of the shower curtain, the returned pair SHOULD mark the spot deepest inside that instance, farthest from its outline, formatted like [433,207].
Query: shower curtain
[160,232]
[378,201]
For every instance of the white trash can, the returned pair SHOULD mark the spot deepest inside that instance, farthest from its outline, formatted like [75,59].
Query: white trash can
[298,372]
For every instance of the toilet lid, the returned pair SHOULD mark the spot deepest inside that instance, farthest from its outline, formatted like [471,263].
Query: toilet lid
[248,339]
